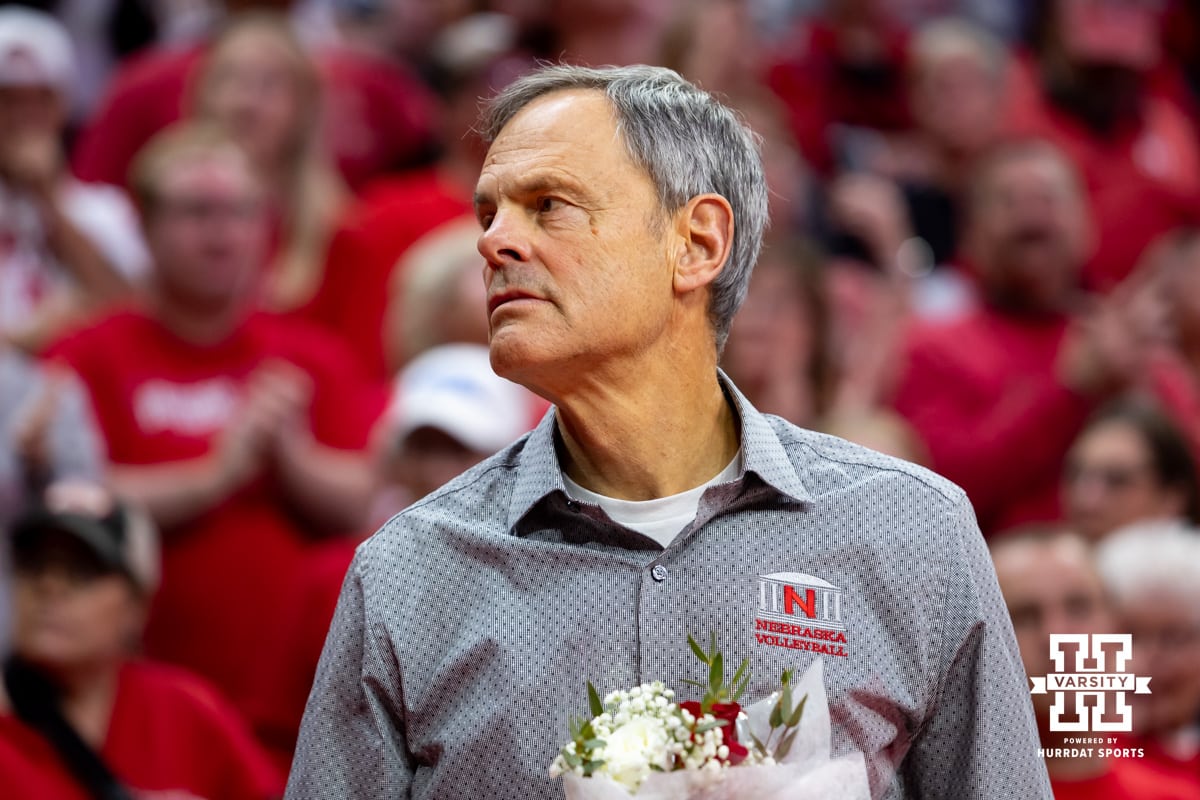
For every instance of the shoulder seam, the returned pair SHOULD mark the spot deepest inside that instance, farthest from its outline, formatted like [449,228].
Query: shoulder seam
[949,495]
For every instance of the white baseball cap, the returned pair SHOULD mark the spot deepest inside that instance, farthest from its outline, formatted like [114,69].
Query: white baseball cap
[35,50]
[453,388]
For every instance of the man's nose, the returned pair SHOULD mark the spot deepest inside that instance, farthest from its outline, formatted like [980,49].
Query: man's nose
[505,240]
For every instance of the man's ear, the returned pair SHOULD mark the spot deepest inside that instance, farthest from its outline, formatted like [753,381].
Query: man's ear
[705,229]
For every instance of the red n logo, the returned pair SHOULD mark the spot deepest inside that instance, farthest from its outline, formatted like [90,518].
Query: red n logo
[808,605]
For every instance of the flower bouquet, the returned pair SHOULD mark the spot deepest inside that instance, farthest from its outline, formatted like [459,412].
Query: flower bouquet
[642,743]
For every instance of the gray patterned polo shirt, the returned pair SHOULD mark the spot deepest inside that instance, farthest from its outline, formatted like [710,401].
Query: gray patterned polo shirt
[470,623]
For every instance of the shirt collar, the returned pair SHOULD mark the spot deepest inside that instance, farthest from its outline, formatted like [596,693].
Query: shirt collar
[539,473]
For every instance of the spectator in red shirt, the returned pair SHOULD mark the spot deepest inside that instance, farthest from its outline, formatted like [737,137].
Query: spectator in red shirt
[79,716]
[1152,571]
[241,433]
[999,394]
[1050,584]
[1130,464]
[1088,89]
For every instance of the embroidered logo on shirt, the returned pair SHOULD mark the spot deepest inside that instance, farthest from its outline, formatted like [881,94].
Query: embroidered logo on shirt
[800,612]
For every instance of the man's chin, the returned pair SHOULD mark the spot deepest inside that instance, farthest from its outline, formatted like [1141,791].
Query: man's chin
[514,358]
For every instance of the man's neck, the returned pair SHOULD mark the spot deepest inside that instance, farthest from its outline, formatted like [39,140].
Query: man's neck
[647,436]
[199,326]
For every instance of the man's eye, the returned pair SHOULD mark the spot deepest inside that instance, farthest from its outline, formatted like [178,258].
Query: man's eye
[548,204]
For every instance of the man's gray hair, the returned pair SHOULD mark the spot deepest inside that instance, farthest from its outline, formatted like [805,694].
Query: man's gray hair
[689,144]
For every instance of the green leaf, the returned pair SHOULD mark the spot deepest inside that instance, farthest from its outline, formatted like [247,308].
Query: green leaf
[713,650]
[776,719]
[740,688]
[785,704]
[592,744]
[740,679]
[741,670]
[794,720]
[785,745]
[594,702]
[716,673]
[694,683]
[762,748]
[572,759]
[786,678]
[700,654]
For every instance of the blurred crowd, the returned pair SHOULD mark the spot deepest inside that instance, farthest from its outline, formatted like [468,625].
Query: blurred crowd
[242,323]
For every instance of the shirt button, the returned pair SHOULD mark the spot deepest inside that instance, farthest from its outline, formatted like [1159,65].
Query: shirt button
[659,573]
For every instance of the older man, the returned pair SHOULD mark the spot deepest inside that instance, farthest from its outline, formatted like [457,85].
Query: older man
[622,211]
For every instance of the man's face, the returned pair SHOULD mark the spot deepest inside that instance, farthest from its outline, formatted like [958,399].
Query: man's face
[1166,646]
[579,269]
[1049,587]
[958,102]
[1110,482]
[207,230]
[1029,232]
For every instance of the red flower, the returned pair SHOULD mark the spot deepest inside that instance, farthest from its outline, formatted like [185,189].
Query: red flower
[728,712]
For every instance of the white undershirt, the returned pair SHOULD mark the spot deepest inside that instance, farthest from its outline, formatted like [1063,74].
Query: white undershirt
[663,518]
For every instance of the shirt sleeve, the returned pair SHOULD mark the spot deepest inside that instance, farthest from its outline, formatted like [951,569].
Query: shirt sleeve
[980,739]
[352,740]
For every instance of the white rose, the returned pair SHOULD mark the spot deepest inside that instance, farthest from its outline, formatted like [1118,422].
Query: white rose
[632,750]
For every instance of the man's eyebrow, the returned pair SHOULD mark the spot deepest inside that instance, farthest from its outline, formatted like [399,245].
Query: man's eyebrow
[533,183]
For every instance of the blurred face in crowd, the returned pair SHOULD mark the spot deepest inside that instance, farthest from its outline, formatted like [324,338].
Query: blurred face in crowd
[1029,231]
[428,458]
[255,87]
[70,612]
[1166,646]
[206,229]
[774,325]
[1119,32]
[30,111]
[578,264]
[1050,586]
[957,100]
[1111,481]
